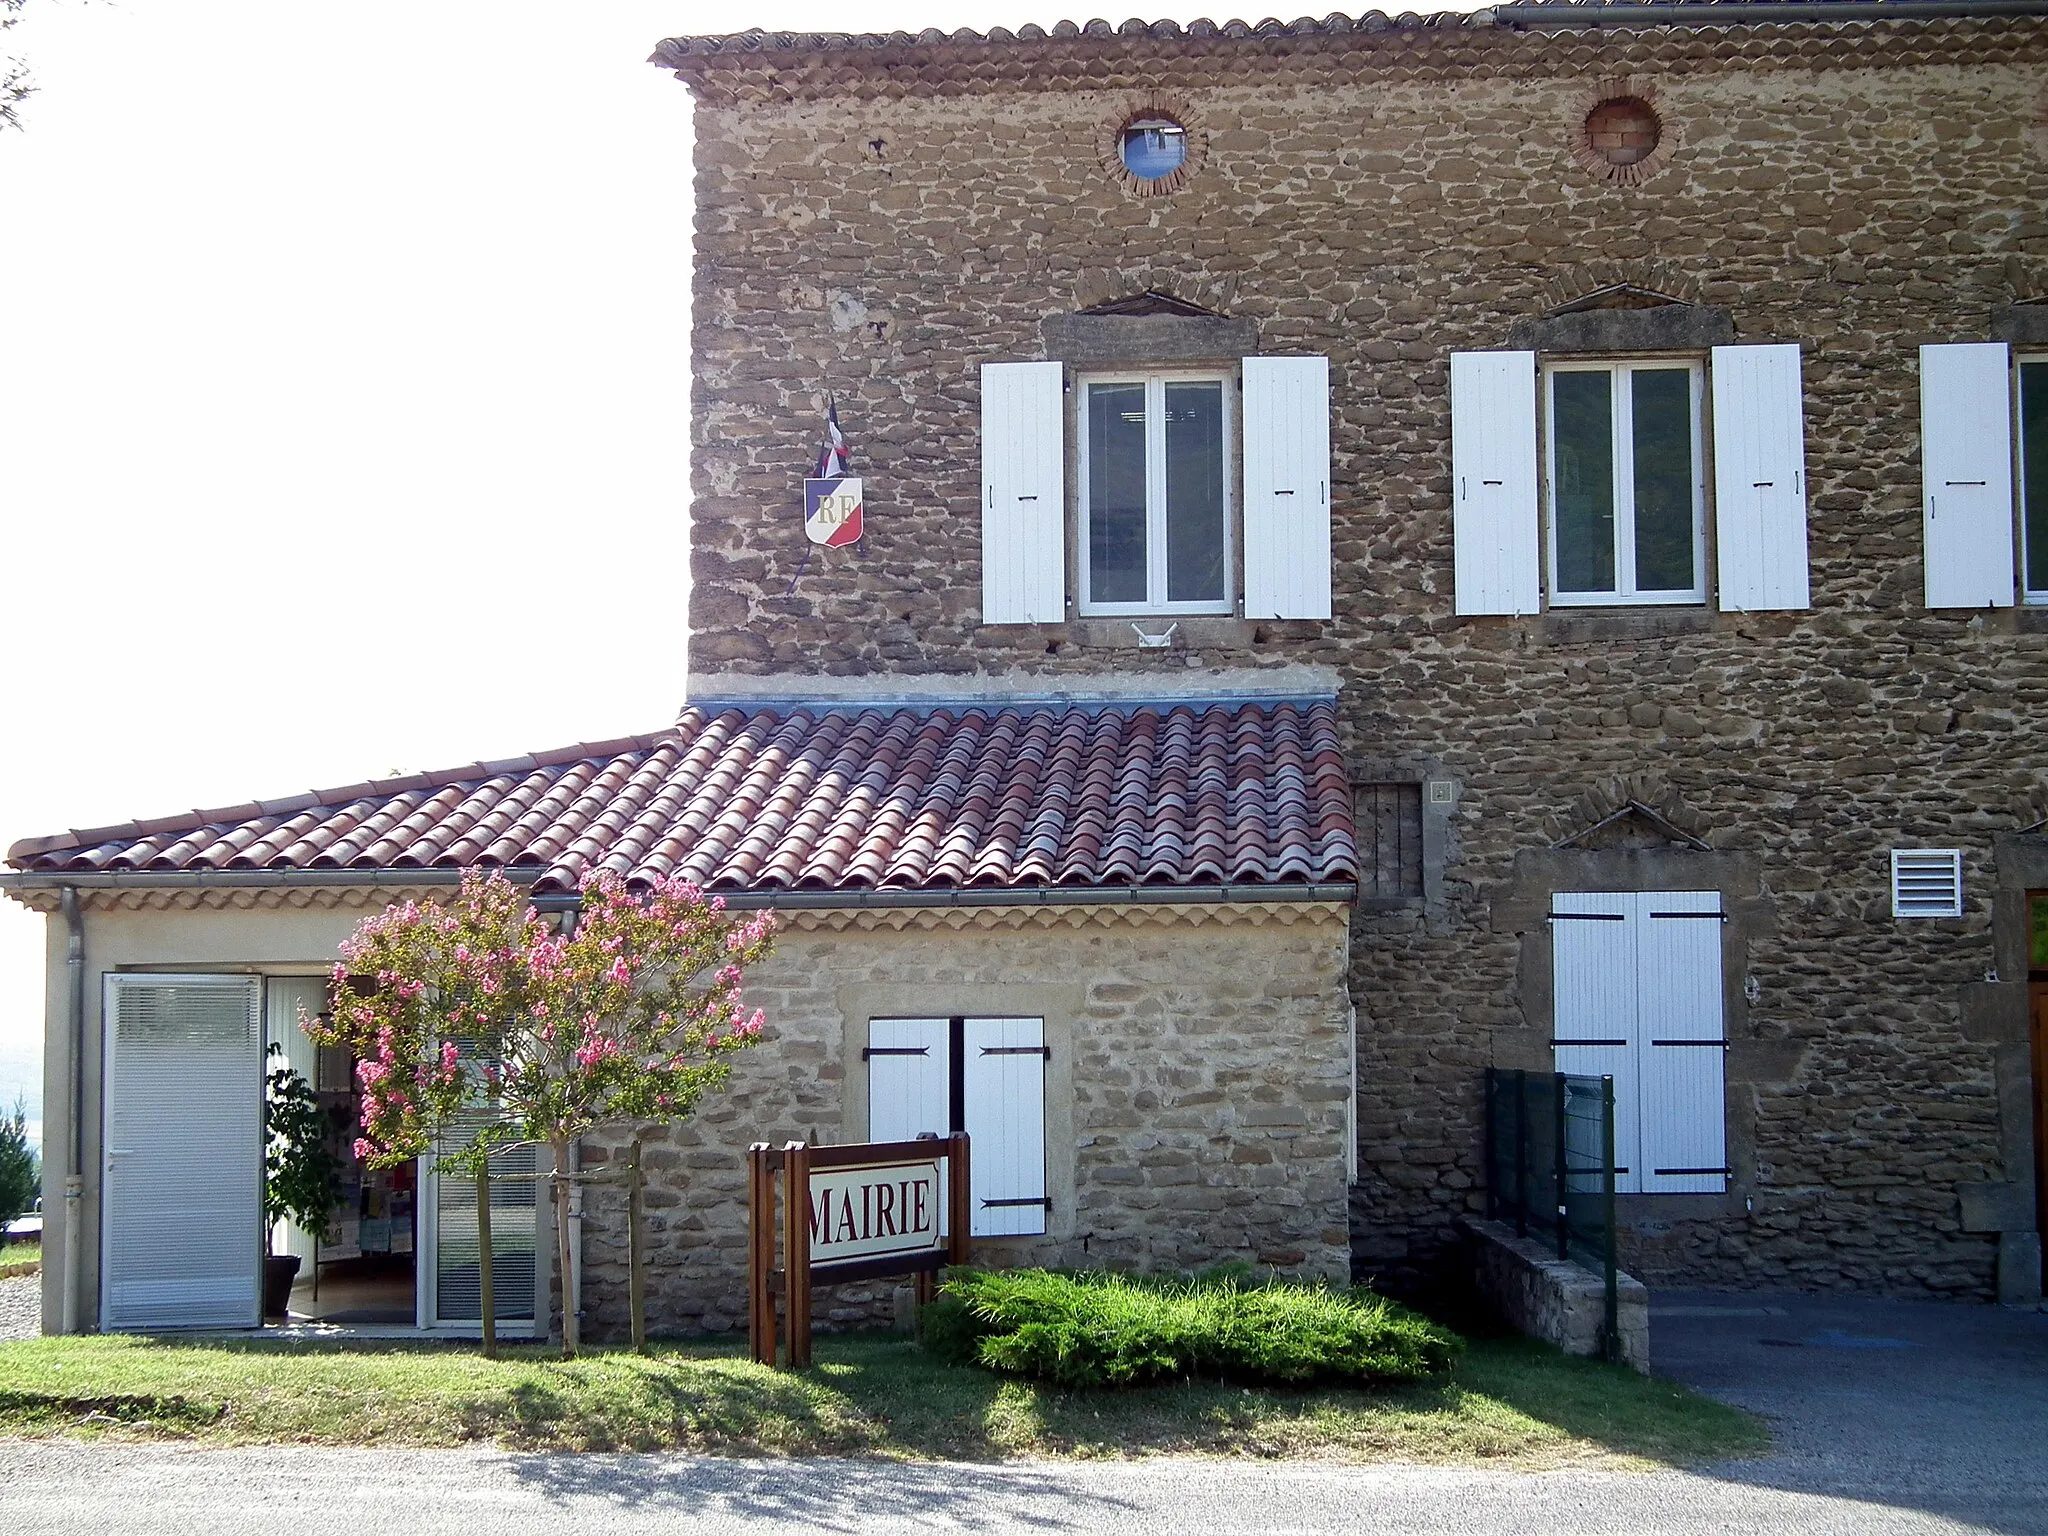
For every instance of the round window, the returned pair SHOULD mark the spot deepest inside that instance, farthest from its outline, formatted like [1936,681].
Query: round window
[1153,147]
[1623,130]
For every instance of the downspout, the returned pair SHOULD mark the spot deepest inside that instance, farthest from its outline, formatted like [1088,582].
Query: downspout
[74,1174]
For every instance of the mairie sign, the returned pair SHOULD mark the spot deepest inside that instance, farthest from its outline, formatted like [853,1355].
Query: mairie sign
[832,511]
[848,1213]
[869,1213]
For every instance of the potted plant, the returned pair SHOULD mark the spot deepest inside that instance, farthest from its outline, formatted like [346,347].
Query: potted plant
[301,1175]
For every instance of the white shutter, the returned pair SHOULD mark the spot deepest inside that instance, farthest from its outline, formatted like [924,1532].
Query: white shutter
[1682,1042]
[1287,487]
[1759,478]
[1023,494]
[1003,1072]
[1966,474]
[1494,519]
[909,1090]
[181,1205]
[1593,987]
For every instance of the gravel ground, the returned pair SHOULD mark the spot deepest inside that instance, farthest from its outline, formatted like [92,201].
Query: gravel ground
[21,1307]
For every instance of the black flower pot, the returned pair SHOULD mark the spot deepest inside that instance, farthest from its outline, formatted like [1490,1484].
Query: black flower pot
[279,1271]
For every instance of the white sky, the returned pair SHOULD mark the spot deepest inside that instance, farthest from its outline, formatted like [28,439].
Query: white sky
[346,353]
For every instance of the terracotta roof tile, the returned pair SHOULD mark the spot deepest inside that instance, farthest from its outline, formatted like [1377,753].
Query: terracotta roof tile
[825,798]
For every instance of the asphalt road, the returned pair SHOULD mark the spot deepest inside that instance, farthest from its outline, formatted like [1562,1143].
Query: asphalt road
[1889,1417]
[158,1491]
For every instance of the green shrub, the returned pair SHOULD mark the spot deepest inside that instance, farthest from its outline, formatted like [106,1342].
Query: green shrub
[1098,1329]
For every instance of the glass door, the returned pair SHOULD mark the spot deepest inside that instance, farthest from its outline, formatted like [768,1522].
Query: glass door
[451,1290]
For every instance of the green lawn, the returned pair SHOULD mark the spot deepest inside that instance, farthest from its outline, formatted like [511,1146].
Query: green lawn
[21,1256]
[1510,1401]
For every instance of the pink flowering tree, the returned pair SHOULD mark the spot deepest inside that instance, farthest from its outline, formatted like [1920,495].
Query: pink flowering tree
[625,1018]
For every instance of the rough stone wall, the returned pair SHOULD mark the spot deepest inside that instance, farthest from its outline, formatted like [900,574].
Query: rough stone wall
[1860,196]
[1196,1096]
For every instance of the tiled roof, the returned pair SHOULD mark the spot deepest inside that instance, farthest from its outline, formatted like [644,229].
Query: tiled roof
[827,798]
[673,52]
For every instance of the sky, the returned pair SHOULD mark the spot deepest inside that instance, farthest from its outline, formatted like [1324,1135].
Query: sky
[346,429]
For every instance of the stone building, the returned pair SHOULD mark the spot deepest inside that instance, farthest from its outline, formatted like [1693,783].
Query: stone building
[1639,410]
[1388,548]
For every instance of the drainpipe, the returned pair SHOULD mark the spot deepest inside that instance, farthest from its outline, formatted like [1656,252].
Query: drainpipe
[74,1174]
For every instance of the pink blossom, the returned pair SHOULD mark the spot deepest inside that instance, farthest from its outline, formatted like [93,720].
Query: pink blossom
[364,1150]
[620,972]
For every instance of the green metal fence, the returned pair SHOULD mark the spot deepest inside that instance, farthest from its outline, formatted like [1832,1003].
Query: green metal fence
[1550,1168]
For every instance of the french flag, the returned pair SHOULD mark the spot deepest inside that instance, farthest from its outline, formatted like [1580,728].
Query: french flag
[831,457]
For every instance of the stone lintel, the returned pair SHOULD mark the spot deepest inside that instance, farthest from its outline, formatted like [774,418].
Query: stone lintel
[2024,325]
[1665,328]
[1993,1012]
[1092,341]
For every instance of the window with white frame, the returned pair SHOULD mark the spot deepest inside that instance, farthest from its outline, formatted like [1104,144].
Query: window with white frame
[1627,499]
[1610,492]
[1167,466]
[1155,481]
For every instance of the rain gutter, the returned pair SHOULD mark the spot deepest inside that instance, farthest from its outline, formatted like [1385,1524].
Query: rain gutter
[781,901]
[1743,13]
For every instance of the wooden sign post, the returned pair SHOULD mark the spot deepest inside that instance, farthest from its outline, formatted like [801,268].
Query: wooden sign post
[849,1213]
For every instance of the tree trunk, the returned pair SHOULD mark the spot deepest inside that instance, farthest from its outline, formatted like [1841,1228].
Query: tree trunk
[486,1279]
[564,1266]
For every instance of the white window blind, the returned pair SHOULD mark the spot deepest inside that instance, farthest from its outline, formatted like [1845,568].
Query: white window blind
[1759,478]
[1927,882]
[181,1203]
[1287,487]
[1023,494]
[1495,532]
[1966,475]
[984,1076]
[1636,985]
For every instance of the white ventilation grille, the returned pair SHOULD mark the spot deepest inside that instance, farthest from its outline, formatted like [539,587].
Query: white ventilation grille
[1927,882]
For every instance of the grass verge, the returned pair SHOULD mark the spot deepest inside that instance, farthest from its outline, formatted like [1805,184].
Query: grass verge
[20,1259]
[1509,1401]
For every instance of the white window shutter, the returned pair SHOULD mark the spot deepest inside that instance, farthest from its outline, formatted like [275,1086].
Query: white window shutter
[1494,518]
[1593,990]
[908,1082]
[1023,494]
[1759,479]
[1287,487]
[1003,1072]
[1683,1043]
[1966,474]
[181,1205]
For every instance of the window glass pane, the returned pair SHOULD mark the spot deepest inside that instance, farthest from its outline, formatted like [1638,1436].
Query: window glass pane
[1116,493]
[1582,445]
[1194,492]
[1661,433]
[2034,470]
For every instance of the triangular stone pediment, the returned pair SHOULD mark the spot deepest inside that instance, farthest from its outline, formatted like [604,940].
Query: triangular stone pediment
[1633,825]
[1617,296]
[1151,302]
